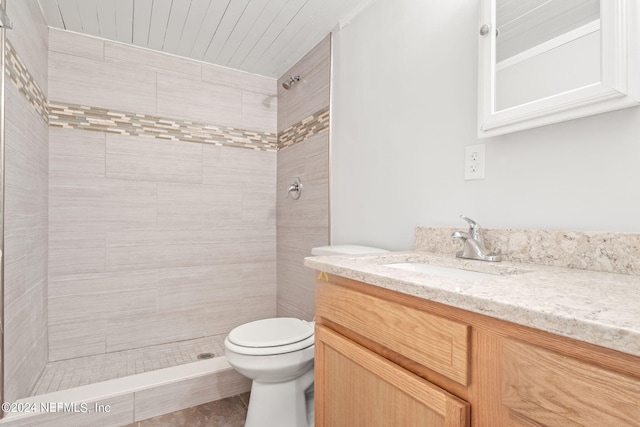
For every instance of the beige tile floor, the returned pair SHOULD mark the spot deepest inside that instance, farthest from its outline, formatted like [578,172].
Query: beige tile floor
[230,412]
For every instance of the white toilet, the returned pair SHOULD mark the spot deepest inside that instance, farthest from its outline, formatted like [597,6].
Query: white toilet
[277,354]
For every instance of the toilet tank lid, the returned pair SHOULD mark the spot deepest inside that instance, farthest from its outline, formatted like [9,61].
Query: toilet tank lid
[345,250]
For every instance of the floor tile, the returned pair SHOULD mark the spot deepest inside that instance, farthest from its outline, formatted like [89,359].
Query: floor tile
[65,374]
[230,412]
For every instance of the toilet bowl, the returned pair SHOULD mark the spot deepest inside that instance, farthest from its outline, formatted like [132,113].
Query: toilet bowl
[277,354]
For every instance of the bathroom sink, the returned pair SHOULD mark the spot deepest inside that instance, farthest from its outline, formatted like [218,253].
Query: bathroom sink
[436,270]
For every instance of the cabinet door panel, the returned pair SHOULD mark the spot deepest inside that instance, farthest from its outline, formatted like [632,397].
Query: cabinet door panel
[543,388]
[432,341]
[358,388]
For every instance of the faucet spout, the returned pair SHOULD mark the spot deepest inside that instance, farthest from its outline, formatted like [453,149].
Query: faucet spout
[461,235]
[473,243]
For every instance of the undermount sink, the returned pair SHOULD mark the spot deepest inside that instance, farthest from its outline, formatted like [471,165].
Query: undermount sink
[436,270]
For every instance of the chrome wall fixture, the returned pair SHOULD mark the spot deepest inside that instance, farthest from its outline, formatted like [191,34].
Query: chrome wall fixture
[295,189]
[290,82]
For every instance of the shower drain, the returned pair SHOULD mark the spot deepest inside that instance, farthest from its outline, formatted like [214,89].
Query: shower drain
[203,356]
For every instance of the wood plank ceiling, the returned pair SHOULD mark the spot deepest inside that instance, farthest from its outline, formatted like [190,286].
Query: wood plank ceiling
[264,37]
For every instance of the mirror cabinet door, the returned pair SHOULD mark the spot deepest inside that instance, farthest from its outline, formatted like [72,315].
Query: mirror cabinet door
[542,62]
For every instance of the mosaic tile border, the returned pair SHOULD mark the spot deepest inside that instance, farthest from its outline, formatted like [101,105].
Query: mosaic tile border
[312,125]
[24,81]
[73,116]
[584,250]
[66,115]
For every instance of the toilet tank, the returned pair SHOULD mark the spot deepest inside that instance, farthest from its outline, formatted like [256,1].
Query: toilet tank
[346,250]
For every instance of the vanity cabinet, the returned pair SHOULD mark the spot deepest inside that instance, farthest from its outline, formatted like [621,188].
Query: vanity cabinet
[384,358]
[360,388]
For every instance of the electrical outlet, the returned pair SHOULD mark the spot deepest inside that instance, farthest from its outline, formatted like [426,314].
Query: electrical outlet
[474,162]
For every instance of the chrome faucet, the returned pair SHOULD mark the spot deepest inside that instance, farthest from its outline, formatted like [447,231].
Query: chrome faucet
[473,243]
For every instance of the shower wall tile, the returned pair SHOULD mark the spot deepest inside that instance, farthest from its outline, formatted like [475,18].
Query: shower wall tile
[259,111]
[191,99]
[296,283]
[86,306]
[77,339]
[25,341]
[22,376]
[143,159]
[71,43]
[29,37]
[130,205]
[315,124]
[25,203]
[126,56]
[200,288]
[16,262]
[76,206]
[77,144]
[77,165]
[134,331]
[253,300]
[70,145]
[311,93]
[73,253]
[303,142]
[141,250]
[198,206]
[61,286]
[258,204]
[246,81]
[308,160]
[89,71]
[154,237]
[228,166]
[85,81]
[258,291]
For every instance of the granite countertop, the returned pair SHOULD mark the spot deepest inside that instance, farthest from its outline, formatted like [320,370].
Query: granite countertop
[595,307]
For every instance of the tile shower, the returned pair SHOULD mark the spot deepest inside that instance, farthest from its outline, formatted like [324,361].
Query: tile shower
[149,220]
[161,227]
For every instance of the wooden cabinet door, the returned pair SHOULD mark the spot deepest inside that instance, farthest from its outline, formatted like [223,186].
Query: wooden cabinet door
[541,388]
[355,387]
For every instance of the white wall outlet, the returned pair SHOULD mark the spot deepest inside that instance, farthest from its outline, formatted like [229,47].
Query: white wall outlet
[474,162]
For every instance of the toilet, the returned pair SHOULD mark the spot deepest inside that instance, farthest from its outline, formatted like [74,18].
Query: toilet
[277,354]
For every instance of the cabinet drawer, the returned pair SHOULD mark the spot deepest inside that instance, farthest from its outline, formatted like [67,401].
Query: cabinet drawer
[439,344]
[544,388]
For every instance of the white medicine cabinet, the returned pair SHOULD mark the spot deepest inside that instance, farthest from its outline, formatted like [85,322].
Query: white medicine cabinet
[546,61]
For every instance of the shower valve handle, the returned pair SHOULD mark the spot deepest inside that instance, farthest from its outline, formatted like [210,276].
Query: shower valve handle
[295,189]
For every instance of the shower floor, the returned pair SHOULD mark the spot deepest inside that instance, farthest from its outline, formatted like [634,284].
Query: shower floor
[66,374]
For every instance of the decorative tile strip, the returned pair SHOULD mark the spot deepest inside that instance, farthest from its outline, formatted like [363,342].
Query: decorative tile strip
[66,115]
[312,125]
[584,250]
[24,81]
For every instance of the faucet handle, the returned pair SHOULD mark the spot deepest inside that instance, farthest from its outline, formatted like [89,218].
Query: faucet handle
[474,229]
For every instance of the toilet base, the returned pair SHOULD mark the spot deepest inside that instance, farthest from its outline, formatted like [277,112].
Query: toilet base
[280,404]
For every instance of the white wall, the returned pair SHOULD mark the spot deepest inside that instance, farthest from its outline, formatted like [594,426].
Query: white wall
[403,109]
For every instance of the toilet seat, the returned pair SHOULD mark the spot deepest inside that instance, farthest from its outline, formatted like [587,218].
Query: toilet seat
[271,336]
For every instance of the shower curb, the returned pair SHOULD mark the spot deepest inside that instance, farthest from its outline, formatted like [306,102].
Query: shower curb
[130,399]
